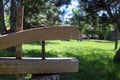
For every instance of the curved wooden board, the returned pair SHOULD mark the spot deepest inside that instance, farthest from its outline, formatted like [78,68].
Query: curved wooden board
[38,34]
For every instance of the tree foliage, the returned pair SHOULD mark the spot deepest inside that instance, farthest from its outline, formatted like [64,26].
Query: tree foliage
[100,14]
[36,11]
[42,11]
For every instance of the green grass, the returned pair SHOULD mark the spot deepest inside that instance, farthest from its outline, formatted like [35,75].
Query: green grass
[95,58]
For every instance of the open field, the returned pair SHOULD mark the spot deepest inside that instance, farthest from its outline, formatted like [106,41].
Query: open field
[95,58]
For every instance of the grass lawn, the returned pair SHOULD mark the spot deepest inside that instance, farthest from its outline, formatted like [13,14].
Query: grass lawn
[95,58]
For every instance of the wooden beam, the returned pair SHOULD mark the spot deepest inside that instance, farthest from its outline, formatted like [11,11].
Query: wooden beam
[19,27]
[38,66]
[38,34]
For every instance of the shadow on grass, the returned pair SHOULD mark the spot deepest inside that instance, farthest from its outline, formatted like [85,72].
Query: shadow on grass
[34,53]
[8,77]
[103,41]
[94,67]
[40,43]
[4,53]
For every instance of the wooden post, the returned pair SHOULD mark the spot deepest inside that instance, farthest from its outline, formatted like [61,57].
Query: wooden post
[43,50]
[19,27]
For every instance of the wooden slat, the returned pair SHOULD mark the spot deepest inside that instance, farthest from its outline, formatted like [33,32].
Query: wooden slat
[38,34]
[38,66]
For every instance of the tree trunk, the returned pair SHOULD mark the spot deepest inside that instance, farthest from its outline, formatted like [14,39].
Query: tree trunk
[116,38]
[117,56]
[13,16]
[101,36]
[2,23]
[12,22]
[117,22]
[105,37]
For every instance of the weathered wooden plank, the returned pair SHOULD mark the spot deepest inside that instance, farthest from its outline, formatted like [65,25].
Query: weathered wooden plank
[38,66]
[37,34]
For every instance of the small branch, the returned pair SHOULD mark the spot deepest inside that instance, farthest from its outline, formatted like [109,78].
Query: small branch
[5,2]
[93,12]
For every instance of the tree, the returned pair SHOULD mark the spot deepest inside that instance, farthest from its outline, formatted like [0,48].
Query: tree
[38,11]
[13,16]
[109,8]
[2,23]
[42,11]
[3,29]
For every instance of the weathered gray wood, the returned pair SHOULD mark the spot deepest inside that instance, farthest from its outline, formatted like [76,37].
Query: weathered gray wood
[38,66]
[37,34]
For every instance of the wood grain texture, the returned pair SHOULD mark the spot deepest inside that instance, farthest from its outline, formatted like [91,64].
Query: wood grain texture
[38,66]
[19,27]
[38,34]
